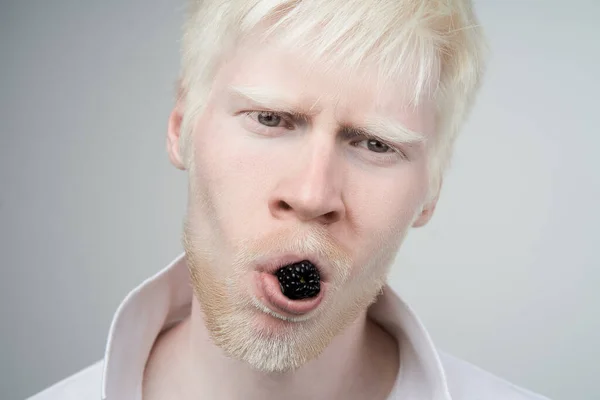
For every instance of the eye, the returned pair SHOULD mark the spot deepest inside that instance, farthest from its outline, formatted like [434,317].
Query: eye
[377,146]
[269,118]
[377,150]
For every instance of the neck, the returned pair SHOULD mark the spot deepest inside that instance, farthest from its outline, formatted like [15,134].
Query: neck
[187,360]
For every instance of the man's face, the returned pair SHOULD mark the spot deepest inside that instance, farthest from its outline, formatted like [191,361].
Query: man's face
[266,185]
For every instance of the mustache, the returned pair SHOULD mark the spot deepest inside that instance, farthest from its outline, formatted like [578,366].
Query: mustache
[314,240]
[311,240]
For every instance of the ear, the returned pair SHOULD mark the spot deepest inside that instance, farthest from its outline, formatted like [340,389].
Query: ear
[174,133]
[427,211]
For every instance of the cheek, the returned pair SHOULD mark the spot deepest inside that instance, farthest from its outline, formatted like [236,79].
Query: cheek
[382,208]
[231,177]
[385,203]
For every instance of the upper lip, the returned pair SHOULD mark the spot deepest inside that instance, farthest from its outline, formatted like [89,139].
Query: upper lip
[272,264]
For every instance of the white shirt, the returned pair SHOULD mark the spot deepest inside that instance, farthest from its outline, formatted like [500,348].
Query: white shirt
[165,299]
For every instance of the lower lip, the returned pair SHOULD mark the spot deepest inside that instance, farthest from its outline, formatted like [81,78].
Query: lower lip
[269,292]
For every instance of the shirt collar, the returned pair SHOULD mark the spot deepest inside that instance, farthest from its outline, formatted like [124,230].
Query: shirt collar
[165,298]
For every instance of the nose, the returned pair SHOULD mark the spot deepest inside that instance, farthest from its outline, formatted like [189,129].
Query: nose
[310,188]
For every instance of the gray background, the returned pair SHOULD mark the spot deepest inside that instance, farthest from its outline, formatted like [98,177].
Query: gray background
[505,276]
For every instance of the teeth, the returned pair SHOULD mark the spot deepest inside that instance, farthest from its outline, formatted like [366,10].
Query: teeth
[300,280]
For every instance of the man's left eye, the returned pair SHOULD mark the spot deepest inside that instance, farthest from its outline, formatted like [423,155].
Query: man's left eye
[377,146]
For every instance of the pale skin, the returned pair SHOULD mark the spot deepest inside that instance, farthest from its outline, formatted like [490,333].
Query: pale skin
[260,173]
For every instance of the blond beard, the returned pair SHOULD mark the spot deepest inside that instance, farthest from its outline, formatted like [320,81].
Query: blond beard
[231,315]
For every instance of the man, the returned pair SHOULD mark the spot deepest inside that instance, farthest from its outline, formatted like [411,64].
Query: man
[315,134]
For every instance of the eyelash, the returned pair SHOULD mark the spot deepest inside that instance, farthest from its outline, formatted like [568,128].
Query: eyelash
[288,119]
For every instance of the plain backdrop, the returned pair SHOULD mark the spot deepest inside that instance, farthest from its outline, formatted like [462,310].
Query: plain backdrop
[506,275]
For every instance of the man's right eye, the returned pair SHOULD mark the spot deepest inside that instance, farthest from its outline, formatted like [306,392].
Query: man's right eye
[268,118]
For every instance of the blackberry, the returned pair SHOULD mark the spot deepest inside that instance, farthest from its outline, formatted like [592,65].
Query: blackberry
[300,280]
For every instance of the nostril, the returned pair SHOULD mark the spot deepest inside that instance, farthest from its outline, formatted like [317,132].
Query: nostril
[331,216]
[284,206]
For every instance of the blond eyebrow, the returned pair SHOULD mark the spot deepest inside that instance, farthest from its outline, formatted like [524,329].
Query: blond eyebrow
[272,100]
[386,129]
[390,129]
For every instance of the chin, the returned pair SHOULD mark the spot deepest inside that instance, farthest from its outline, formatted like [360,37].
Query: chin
[252,318]
[268,343]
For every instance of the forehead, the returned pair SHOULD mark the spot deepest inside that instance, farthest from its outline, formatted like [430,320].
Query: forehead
[349,92]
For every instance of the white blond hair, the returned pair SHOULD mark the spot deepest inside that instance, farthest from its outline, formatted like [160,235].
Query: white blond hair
[437,43]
